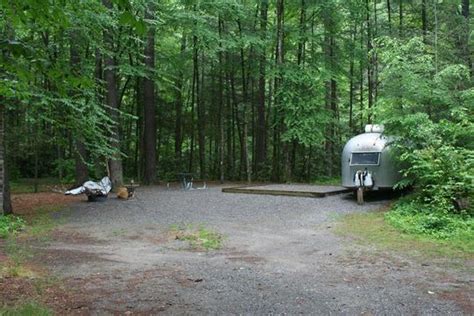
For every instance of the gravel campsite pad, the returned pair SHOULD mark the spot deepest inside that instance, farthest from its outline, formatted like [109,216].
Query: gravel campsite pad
[278,255]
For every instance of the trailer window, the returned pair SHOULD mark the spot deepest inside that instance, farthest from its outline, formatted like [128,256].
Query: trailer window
[365,158]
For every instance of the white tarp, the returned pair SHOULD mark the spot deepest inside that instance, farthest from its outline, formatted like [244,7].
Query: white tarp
[95,188]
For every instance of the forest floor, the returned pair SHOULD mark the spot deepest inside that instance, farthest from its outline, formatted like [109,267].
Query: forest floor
[207,252]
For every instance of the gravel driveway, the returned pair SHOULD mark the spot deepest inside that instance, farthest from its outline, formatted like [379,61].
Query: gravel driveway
[280,256]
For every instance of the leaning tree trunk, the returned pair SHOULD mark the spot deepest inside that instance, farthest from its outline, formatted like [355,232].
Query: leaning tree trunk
[115,162]
[149,106]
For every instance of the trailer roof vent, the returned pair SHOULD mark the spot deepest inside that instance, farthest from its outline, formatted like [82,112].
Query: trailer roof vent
[374,128]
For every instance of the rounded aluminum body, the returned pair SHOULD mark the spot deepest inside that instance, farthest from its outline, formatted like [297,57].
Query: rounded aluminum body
[369,151]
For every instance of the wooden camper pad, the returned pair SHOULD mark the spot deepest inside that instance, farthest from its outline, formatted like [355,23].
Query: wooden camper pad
[301,190]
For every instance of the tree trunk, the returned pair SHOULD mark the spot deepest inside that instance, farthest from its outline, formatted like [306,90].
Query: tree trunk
[330,99]
[351,79]
[80,156]
[361,82]
[302,31]
[260,140]
[179,111]
[400,18]
[279,60]
[115,162]
[334,114]
[82,172]
[370,65]
[389,13]
[138,128]
[193,103]
[201,112]
[149,103]
[375,65]
[466,53]
[245,159]
[424,25]
[5,202]
[221,106]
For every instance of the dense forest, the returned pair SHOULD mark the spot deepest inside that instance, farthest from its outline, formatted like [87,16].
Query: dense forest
[234,89]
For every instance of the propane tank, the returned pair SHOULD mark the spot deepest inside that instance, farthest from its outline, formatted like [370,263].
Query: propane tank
[368,180]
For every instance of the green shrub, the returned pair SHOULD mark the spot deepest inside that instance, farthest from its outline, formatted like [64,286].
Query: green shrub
[428,107]
[10,224]
[411,216]
[442,175]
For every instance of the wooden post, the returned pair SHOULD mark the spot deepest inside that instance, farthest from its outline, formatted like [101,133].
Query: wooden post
[360,195]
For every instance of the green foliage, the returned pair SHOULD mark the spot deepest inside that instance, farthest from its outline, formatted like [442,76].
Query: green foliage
[26,309]
[305,116]
[429,108]
[315,97]
[10,224]
[412,217]
[441,176]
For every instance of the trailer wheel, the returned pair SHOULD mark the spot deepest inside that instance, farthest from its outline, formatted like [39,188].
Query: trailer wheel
[360,196]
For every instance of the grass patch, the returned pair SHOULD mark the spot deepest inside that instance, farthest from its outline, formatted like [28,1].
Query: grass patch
[327,181]
[10,224]
[199,237]
[373,228]
[16,269]
[17,252]
[18,246]
[44,283]
[45,220]
[119,232]
[26,309]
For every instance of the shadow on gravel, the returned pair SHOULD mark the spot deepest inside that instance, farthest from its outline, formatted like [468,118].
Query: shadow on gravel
[376,196]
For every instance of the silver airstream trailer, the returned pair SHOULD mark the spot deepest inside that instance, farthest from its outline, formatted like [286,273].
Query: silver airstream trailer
[366,162]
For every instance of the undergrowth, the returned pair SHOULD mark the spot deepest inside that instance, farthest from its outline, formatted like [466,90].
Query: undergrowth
[17,245]
[412,217]
[10,224]
[26,309]
[374,230]
[412,227]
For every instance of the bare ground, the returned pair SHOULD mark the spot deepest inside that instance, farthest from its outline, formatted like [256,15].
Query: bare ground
[280,255]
